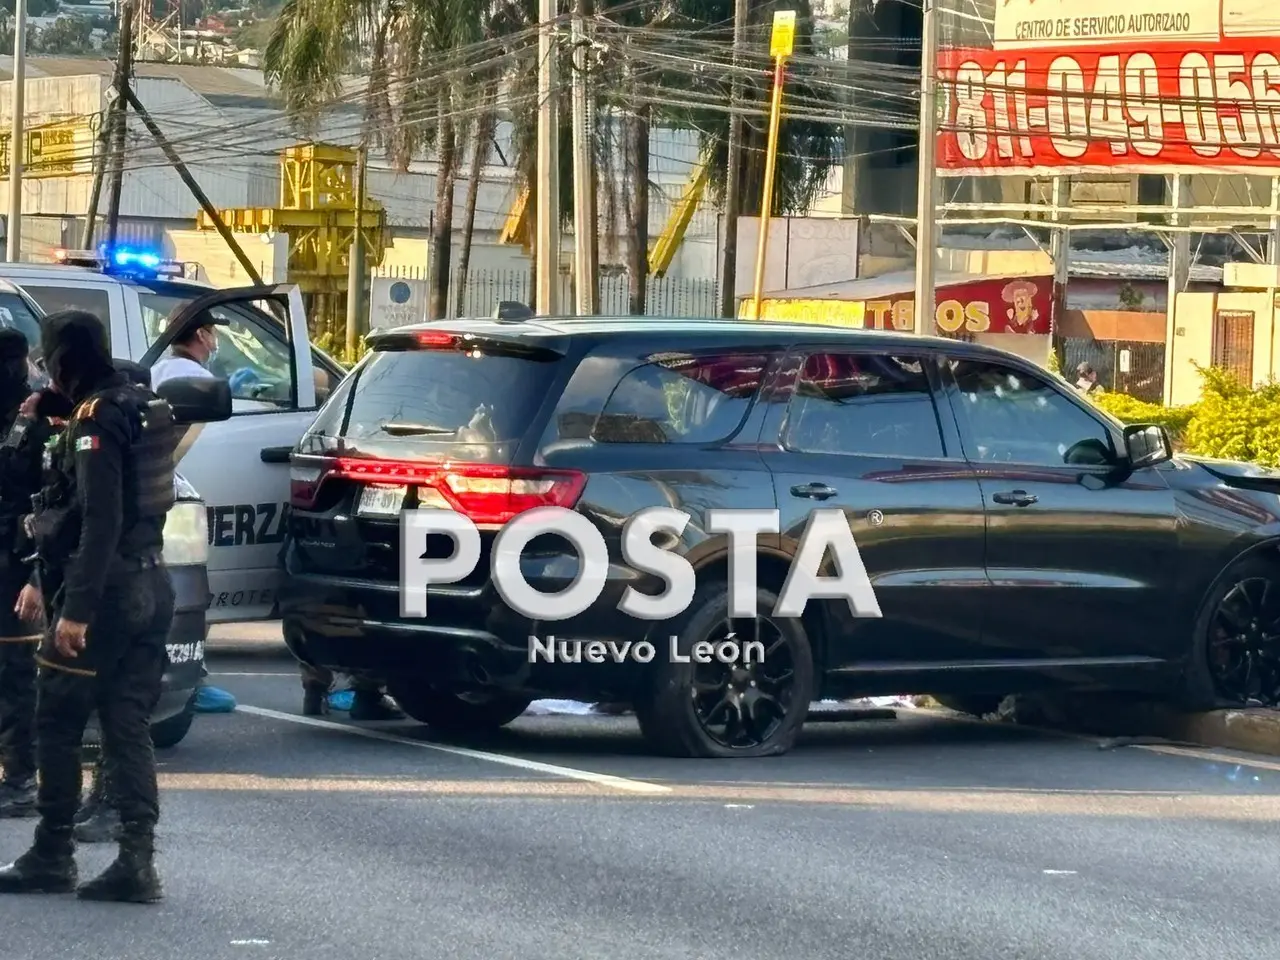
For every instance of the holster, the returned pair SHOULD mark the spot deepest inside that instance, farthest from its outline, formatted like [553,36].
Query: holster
[55,532]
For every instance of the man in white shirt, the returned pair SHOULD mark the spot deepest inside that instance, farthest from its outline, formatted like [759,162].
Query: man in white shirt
[188,356]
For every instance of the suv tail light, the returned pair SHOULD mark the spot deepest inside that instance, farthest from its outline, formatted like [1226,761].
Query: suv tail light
[485,493]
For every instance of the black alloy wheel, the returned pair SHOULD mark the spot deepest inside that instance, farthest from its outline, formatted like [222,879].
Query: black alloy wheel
[735,709]
[1243,644]
[740,706]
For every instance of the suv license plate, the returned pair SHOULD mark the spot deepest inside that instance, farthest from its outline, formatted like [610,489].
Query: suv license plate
[381,501]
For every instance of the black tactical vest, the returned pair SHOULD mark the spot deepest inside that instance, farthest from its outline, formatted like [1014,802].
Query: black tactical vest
[148,469]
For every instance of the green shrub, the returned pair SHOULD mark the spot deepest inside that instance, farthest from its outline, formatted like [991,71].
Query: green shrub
[1128,409]
[1231,421]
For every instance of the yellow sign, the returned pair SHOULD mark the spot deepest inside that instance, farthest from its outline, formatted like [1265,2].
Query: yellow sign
[828,313]
[53,150]
[783,39]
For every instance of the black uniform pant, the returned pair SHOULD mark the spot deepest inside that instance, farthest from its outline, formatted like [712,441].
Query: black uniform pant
[18,642]
[118,674]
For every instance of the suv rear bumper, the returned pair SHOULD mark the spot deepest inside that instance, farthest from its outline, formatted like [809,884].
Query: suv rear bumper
[470,639]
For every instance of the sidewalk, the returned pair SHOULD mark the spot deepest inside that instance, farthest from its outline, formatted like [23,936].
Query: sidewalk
[1251,730]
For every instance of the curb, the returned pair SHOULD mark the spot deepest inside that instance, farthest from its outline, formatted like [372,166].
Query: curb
[1249,730]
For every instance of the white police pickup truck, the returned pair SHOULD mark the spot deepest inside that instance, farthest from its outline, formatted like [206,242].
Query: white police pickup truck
[239,466]
[186,554]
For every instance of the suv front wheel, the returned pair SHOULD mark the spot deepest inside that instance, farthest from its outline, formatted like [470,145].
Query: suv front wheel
[754,707]
[455,712]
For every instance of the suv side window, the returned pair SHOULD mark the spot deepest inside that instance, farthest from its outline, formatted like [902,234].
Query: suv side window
[682,400]
[863,404]
[1015,417]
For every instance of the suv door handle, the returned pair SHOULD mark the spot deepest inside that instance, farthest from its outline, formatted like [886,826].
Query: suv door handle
[1016,498]
[275,454]
[814,491]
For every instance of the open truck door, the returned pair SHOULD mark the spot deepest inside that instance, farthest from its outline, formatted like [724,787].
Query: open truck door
[241,465]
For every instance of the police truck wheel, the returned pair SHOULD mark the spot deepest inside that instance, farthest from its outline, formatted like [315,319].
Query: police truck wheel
[751,708]
[457,713]
[171,732]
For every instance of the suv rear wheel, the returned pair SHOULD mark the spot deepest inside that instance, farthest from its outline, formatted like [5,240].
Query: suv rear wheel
[747,709]
[454,712]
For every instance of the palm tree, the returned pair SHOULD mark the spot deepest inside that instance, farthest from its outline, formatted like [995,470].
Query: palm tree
[417,87]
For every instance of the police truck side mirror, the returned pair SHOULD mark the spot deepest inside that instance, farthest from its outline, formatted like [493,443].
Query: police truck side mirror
[197,399]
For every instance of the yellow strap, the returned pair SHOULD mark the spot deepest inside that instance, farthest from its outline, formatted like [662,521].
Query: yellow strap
[34,638]
[65,669]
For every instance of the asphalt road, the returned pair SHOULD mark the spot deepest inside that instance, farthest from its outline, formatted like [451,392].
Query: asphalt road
[917,838]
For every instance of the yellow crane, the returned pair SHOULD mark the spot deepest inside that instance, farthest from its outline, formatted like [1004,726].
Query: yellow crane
[663,250]
[317,211]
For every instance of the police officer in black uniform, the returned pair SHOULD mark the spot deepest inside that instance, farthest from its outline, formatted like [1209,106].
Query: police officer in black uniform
[25,434]
[101,534]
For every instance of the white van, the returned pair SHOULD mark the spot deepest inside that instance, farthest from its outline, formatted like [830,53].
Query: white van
[241,465]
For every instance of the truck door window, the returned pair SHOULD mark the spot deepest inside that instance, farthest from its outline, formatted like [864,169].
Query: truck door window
[252,357]
[53,299]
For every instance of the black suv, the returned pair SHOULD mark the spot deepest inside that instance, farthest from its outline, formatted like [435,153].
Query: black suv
[1017,537]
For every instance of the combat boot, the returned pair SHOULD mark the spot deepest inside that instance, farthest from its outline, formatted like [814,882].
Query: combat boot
[315,700]
[132,876]
[48,867]
[18,797]
[102,826]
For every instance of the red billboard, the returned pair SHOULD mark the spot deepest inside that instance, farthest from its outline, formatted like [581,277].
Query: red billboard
[1082,86]
[1010,305]
[998,305]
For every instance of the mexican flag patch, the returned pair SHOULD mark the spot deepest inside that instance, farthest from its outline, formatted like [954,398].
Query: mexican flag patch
[87,443]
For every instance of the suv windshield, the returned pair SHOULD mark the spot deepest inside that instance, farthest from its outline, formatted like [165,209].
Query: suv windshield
[430,401]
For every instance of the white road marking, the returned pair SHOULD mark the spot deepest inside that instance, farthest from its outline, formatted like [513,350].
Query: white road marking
[569,773]
[1059,873]
[249,943]
[739,806]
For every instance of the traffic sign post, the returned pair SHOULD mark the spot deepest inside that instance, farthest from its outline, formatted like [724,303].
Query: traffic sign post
[781,45]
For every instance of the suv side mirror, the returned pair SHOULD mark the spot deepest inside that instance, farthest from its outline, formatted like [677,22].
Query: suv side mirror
[1147,444]
[197,399]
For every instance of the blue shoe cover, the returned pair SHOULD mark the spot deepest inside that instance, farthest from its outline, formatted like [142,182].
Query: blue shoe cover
[213,700]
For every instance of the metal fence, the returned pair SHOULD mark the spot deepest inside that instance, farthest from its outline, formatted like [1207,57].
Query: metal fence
[1133,368]
[482,290]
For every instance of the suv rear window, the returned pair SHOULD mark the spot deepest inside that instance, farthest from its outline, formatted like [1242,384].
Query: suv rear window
[682,400]
[438,396]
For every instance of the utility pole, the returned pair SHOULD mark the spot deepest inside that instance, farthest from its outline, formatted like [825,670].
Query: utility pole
[927,181]
[585,276]
[733,178]
[18,138]
[355,267]
[185,176]
[99,172]
[120,92]
[548,167]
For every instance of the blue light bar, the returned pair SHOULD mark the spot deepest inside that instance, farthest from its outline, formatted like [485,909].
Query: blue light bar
[131,258]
